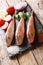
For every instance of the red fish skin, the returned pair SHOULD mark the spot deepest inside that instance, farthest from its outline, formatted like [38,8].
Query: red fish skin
[30,30]
[9,33]
[20,32]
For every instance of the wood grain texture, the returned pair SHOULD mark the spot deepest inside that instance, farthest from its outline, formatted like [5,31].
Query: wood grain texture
[27,59]
[3,5]
[4,59]
[34,6]
[38,53]
[13,3]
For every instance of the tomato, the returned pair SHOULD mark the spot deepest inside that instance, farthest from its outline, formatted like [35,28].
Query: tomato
[10,10]
[40,37]
[2,22]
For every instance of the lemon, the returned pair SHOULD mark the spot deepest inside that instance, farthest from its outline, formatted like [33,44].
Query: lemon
[3,14]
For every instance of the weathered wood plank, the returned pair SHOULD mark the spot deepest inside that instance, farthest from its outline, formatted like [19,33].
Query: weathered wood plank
[27,59]
[4,59]
[38,53]
[3,5]
[35,8]
[13,3]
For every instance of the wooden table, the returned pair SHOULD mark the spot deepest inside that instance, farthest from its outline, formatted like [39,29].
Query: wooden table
[33,57]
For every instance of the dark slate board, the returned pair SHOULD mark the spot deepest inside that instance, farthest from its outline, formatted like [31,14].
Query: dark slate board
[26,46]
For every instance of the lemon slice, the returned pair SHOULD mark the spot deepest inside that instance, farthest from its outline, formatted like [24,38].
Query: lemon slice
[3,14]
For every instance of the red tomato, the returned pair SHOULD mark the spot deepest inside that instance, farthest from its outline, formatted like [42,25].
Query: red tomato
[10,10]
[2,22]
[40,37]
